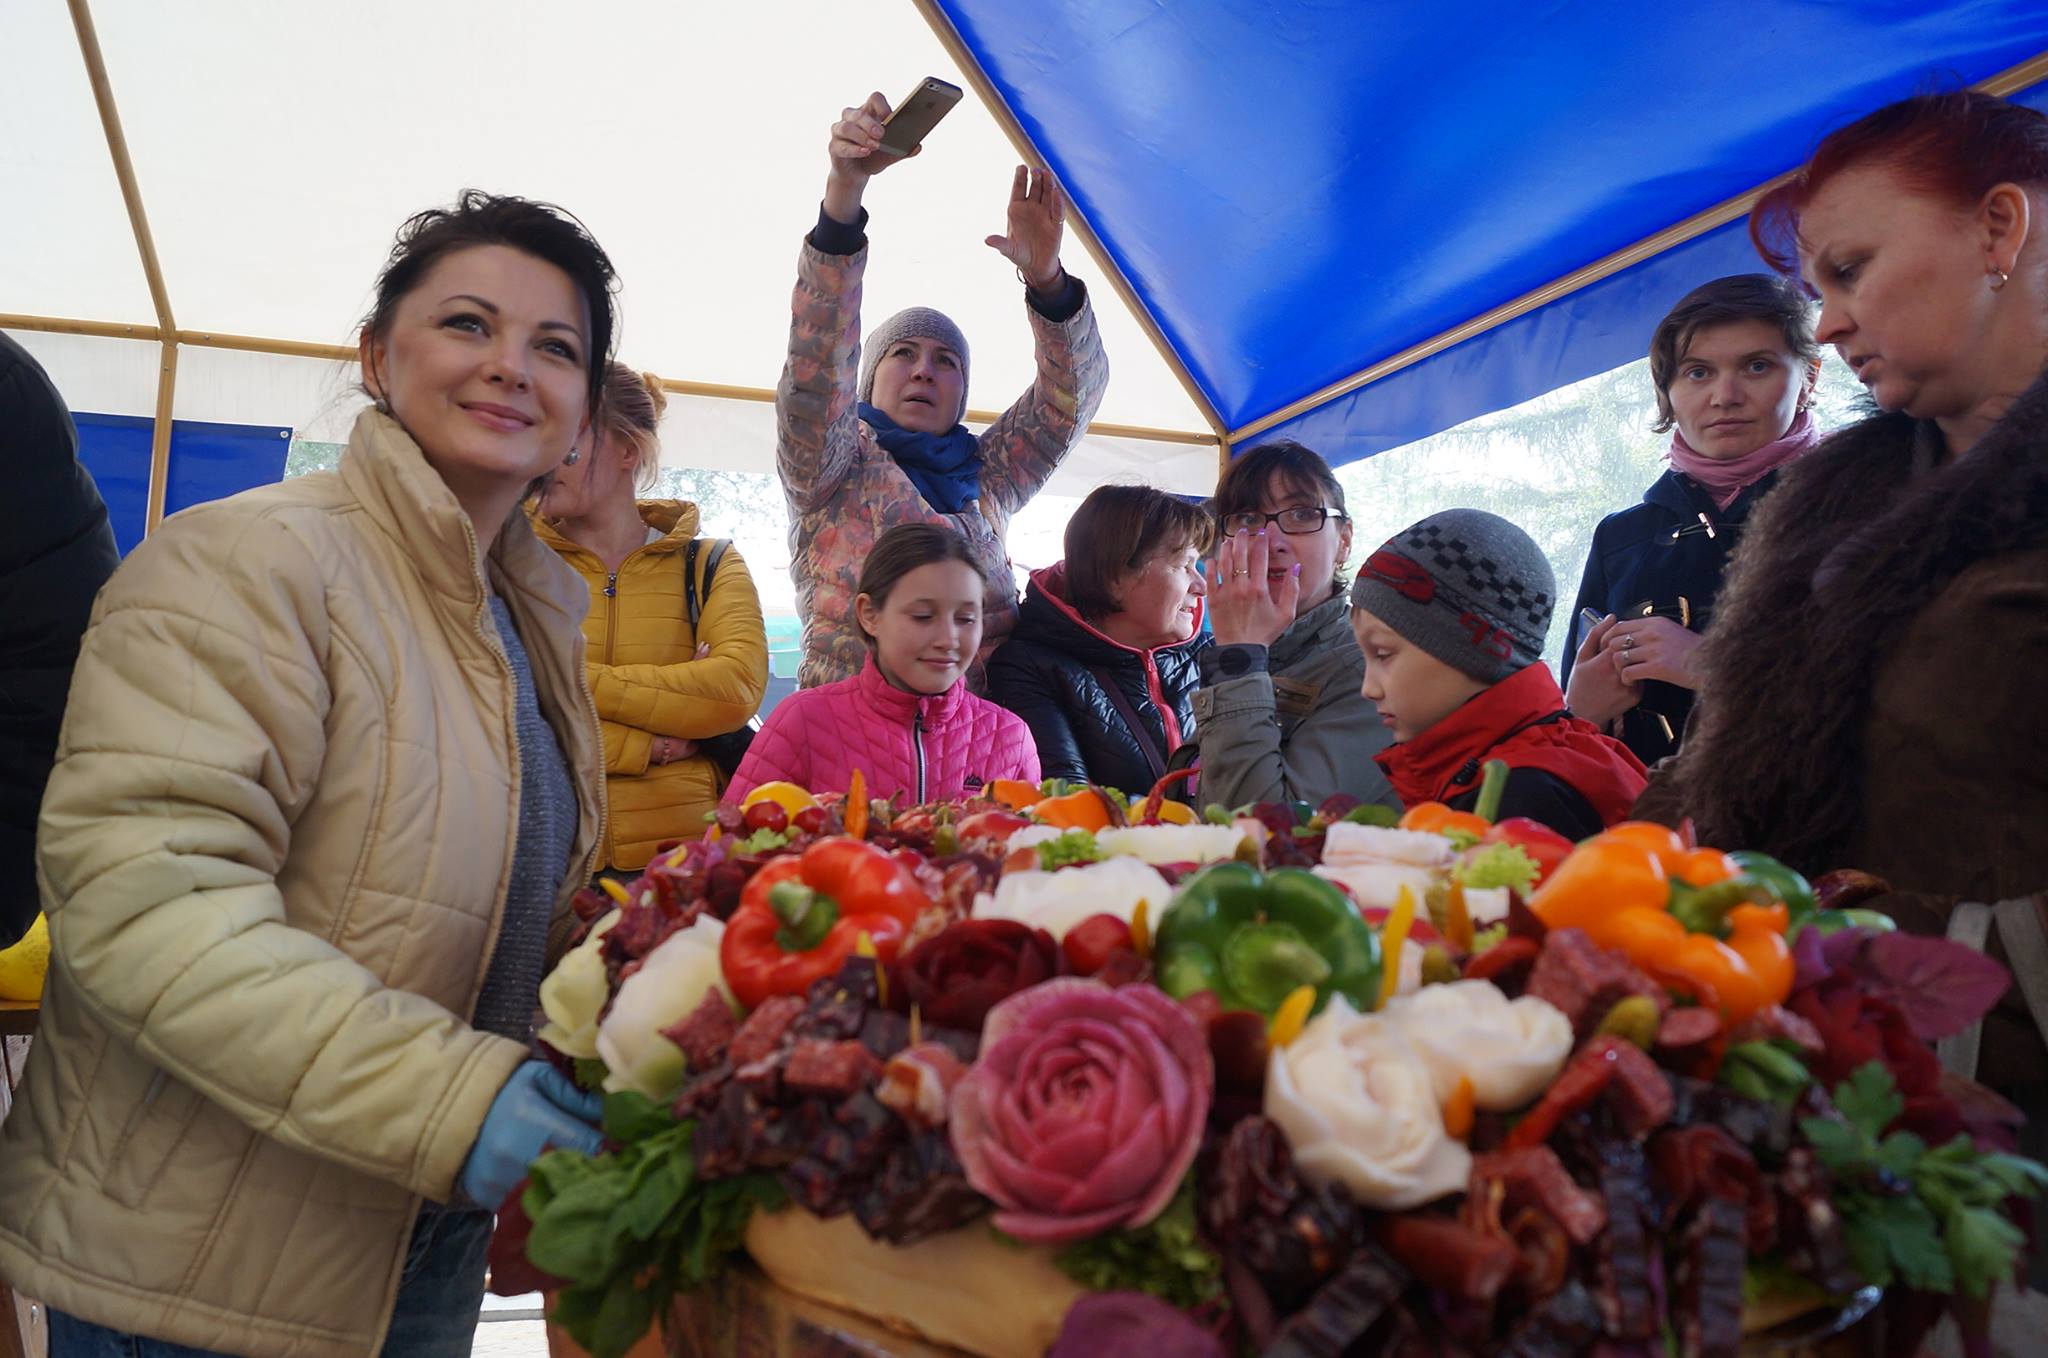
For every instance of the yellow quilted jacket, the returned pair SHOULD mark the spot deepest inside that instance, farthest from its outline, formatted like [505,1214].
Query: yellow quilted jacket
[274,853]
[647,684]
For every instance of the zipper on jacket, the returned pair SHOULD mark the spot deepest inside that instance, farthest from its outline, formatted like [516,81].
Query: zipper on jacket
[611,614]
[917,746]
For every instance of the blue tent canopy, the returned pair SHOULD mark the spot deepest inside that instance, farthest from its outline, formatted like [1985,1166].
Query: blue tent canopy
[207,462]
[1297,191]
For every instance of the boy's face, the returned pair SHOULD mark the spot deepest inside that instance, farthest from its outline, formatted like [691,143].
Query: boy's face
[1412,688]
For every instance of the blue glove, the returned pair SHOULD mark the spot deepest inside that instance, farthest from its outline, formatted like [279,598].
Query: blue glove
[537,1108]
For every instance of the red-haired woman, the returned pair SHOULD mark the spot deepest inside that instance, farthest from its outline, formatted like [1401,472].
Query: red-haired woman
[1870,692]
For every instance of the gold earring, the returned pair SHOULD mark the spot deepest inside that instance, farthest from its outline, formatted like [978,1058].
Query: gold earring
[1999,278]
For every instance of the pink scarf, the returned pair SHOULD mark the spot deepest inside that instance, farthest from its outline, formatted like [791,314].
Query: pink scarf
[1724,480]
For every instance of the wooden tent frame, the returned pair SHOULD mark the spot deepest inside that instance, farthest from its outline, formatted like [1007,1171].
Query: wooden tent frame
[166,334]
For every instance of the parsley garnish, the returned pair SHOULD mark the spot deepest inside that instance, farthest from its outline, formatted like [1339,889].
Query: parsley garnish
[1929,1217]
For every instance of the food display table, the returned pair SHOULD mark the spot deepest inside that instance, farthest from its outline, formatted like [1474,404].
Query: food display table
[744,1315]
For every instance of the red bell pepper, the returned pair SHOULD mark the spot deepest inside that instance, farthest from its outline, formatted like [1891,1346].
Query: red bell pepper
[803,915]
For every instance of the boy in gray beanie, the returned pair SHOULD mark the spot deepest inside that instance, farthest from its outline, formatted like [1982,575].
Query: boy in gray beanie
[1451,613]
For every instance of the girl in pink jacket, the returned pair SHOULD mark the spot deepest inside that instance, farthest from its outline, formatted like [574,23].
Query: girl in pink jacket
[906,721]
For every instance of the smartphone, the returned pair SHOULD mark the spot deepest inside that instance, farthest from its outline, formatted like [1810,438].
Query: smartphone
[1591,618]
[916,116]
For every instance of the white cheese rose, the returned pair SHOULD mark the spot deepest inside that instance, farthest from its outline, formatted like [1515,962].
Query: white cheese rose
[1171,843]
[573,995]
[672,981]
[1359,1106]
[1510,1050]
[1373,863]
[1057,901]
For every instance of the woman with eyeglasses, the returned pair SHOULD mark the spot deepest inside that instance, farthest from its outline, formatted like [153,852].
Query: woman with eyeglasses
[1734,365]
[1279,709]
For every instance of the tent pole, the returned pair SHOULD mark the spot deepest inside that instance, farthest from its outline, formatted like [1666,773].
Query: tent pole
[160,438]
[2029,72]
[342,353]
[949,38]
[145,244]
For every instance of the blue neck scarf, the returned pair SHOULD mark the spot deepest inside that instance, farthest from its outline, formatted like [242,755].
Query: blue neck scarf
[945,468]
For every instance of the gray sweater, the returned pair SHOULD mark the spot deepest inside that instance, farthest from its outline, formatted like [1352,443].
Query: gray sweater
[547,834]
[1289,724]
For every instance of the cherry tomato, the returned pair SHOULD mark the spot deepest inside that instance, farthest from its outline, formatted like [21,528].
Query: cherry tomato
[1089,944]
[765,815]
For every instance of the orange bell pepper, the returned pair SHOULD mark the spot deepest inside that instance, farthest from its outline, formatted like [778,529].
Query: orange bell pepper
[1084,809]
[1603,877]
[1639,889]
[1014,793]
[1435,818]
[1757,933]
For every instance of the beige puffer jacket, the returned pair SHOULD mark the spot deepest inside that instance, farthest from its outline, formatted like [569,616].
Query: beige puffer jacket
[274,852]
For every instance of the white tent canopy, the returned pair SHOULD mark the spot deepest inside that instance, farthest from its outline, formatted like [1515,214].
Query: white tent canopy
[276,147]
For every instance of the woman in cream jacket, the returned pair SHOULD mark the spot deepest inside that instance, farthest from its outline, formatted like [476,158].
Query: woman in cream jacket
[327,778]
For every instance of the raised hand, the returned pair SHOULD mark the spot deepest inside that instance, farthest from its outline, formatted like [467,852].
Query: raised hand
[1245,606]
[1038,215]
[851,148]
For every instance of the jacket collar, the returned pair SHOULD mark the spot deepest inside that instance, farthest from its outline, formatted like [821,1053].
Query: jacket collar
[1327,624]
[1682,496]
[1049,606]
[1862,534]
[675,519]
[899,705]
[1429,766]
[407,500]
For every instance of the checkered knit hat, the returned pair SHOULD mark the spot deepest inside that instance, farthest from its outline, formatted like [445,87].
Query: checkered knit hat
[918,322]
[1466,586]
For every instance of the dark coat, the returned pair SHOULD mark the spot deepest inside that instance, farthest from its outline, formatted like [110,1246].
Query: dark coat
[1871,692]
[56,550]
[1659,552]
[1056,672]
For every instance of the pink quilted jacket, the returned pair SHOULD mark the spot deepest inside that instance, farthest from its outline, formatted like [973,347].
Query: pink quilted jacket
[913,748]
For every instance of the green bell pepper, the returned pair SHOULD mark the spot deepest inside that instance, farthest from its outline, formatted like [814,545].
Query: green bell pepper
[1763,880]
[1834,921]
[1254,937]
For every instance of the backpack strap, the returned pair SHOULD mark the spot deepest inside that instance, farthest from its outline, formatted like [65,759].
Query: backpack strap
[2019,927]
[711,560]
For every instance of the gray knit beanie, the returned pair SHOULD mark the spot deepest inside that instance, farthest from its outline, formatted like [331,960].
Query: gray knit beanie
[1466,586]
[918,322]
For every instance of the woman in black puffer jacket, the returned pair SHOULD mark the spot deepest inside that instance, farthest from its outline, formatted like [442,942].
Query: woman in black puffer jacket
[1103,662]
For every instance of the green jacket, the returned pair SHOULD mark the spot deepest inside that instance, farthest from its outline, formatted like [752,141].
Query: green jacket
[1296,728]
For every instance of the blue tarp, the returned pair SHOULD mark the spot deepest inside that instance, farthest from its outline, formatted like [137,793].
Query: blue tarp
[1298,190]
[207,461]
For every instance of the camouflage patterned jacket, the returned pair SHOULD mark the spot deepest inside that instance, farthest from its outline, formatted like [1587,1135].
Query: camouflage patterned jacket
[844,491]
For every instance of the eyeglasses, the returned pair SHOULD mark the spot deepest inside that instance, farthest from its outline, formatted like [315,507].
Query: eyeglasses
[1298,522]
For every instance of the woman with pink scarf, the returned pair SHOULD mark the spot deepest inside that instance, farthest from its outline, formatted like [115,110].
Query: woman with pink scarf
[1734,365]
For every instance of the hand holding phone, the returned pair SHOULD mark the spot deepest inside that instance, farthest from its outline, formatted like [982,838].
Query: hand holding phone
[921,110]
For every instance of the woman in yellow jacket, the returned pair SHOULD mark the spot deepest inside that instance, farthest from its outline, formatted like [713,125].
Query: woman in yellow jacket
[661,685]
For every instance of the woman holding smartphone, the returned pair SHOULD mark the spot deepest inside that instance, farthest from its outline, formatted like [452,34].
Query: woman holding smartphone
[868,442]
[1734,365]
